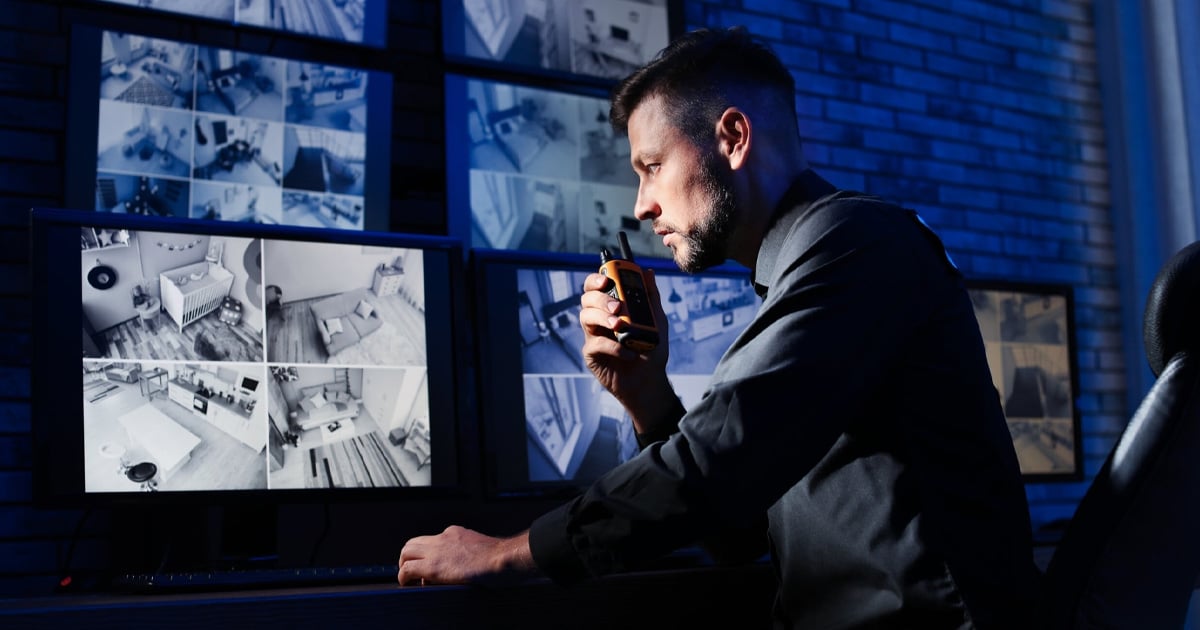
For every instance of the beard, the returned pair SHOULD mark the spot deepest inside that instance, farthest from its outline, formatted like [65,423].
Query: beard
[707,243]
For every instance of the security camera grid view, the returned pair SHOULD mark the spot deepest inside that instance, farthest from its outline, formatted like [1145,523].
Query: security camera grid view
[575,429]
[211,133]
[225,363]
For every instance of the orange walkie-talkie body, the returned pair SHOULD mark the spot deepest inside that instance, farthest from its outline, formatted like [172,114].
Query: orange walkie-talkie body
[629,287]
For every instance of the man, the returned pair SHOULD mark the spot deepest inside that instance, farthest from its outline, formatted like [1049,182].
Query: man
[856,411]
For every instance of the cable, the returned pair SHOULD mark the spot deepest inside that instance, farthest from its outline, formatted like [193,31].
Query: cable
[312,560]
[166,554]
[65,579]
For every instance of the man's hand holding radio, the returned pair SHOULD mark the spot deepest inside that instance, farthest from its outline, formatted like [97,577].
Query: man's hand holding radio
[638,381]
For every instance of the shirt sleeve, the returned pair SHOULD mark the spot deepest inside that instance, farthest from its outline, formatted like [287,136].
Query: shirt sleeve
[664,428]
[852,282]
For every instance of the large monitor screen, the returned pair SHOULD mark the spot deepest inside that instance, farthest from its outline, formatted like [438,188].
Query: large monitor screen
[188,130]
[251,359]
[608,39]
[1028,333]
[354,21]
[549,425]
[536,169]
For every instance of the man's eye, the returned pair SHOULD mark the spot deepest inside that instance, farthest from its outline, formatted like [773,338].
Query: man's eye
[652,168]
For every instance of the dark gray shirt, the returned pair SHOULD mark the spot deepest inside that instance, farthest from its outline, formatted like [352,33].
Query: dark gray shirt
[857,412]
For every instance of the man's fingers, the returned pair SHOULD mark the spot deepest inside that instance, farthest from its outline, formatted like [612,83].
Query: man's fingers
[597,345]
[413,549]
[600,301]
[598,348]
[597,322]
[596,282]
[421,571]
[411,573]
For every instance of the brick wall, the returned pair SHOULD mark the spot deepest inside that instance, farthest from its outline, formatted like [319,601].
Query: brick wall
[981,114]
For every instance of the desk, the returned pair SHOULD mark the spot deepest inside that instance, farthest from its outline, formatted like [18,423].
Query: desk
[736,597]
[153,381]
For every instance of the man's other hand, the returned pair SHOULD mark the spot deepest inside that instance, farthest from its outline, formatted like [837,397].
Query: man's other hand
[462,556]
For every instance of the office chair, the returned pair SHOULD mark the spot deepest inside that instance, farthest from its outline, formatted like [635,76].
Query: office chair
[1130,556]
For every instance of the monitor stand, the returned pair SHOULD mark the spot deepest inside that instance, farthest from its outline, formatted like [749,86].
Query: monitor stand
[180,538]
[247,535]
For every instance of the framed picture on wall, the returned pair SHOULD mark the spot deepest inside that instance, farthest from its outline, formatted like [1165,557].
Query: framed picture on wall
[1029,335]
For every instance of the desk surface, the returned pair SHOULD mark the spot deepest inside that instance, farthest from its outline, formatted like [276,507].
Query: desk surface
[733,597]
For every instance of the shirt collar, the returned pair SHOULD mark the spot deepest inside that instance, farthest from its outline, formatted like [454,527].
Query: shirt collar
[807,188]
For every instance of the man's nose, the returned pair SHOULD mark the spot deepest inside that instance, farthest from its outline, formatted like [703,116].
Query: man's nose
[646,208]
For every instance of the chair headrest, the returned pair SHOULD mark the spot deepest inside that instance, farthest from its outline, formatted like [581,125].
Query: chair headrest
[1172,319]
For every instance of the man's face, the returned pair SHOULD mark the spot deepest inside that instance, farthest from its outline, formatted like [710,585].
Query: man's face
[684,189]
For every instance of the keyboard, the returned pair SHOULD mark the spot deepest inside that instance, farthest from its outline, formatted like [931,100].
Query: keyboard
[272,578]
[250,579]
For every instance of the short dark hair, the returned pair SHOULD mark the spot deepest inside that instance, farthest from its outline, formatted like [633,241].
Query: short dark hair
[698,75]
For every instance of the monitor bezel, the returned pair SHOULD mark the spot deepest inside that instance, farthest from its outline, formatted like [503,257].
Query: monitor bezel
[375,23]
[57,481]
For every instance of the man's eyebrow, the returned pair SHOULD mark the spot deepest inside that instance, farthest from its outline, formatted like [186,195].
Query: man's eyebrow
[645,157]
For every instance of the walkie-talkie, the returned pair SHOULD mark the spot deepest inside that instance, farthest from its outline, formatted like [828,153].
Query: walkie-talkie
[629,287]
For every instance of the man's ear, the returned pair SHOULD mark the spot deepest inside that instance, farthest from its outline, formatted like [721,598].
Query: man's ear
[734,136]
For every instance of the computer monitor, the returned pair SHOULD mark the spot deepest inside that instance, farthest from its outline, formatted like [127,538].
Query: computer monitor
[1028,333]
[238,360]
[186,129]
[548,426]
[535,168]
[600,39]
[353,21]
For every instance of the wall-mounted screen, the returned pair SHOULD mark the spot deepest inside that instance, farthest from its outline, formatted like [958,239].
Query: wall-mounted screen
[549,424]
[1028,333]
[608,39]
[536,169]
[354,21]
[187,130]
[241,359]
